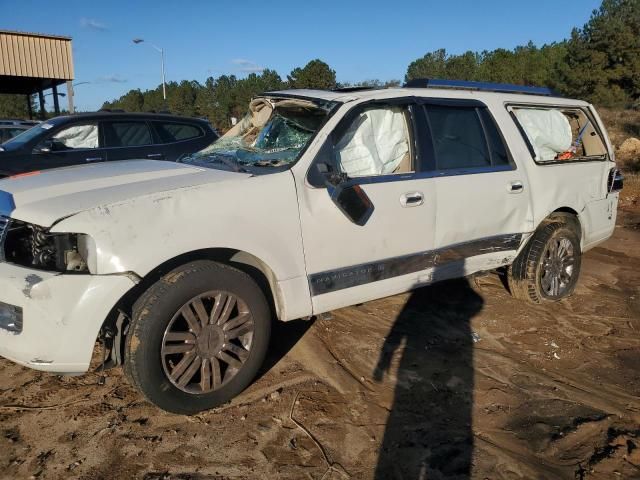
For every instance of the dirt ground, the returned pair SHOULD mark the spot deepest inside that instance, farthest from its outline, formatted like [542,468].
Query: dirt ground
[456,380]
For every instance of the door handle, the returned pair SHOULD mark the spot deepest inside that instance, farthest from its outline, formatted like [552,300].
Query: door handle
[516,187]
[412,199]
[93,159]
[155,155]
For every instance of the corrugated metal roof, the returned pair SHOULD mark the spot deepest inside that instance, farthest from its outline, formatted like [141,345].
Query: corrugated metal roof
[35,34]
[35,55]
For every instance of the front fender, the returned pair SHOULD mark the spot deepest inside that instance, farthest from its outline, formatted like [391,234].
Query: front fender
[258,215]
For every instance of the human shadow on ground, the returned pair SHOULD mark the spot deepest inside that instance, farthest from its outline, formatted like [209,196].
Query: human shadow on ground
[428,434]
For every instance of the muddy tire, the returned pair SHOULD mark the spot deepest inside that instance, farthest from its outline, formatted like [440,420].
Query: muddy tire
[197,337]
[548,267]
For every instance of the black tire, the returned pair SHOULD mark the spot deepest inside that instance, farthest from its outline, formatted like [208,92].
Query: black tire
[157,312]
[529,274]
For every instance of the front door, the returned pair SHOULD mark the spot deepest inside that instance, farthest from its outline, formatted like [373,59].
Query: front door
[73,145]
[376,149]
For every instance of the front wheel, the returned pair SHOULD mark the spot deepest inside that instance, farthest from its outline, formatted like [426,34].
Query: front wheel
[548,267]
[198,337]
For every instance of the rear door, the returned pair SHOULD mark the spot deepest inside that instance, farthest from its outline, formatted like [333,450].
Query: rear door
[130,139]
[179,138]
[483,201]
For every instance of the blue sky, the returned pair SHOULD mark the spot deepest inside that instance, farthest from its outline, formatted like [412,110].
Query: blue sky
[359,39]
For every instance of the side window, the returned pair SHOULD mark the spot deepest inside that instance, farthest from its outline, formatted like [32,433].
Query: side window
[560,134]
[458,138]
[127,134]
[175,132]
[76,137]
[497,149]
[377,142]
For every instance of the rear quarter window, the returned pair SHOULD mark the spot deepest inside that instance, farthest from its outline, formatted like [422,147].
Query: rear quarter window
[175,132]
[559,134]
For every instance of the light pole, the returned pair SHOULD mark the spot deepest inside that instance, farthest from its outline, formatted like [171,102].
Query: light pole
[164,89]
[70,93]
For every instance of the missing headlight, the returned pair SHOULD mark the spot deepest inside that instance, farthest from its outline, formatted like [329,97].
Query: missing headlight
[33,246]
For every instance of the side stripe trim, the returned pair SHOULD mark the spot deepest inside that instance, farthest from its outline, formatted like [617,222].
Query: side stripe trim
[347,277]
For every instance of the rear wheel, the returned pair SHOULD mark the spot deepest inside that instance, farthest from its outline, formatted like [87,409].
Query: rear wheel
[197,337]
[548,267]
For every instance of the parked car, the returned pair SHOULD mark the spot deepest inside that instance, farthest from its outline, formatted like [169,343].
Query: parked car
[11,128]
[101,137]
[315,201]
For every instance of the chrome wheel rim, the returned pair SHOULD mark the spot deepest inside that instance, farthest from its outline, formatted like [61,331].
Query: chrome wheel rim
[557,267]
[207,342]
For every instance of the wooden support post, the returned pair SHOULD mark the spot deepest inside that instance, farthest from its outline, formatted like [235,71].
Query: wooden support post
[42,110]
[29,107]
[56,104]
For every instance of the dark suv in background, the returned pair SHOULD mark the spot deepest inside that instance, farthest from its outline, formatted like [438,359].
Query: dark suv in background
[103,137]
[11,128]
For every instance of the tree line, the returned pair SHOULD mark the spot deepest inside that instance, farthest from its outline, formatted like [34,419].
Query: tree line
[599,62]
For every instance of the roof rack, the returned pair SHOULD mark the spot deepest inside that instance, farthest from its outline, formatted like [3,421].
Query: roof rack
[353,89]
[481,86]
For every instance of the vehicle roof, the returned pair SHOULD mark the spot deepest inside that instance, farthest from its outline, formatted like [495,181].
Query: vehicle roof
[381,93]
[102,115]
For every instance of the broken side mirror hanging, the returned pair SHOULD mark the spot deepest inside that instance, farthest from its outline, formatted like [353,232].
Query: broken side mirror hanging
[350,198]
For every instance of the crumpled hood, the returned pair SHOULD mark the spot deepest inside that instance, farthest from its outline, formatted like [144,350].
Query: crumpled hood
[45,197]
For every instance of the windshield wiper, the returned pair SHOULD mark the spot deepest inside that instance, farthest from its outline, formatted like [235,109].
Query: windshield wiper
[232,164]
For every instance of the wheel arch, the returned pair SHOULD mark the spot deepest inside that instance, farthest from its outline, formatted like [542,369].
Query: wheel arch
[570,215]
[257,269]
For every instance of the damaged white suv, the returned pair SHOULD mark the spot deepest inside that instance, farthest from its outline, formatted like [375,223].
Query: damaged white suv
[316,200]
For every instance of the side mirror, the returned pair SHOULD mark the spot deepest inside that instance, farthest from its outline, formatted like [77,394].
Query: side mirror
[353,202]
[328,176]
[44,147]
[350,198]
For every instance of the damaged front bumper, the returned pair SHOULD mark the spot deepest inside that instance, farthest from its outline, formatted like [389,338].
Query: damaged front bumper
[51,320]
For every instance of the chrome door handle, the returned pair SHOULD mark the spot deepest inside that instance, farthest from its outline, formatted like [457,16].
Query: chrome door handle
[516,187]
[412,199]
[155,155]
[93,159]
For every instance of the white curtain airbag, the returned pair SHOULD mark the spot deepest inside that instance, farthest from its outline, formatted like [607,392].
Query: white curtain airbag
[548,131]
[375,143]
[80,136]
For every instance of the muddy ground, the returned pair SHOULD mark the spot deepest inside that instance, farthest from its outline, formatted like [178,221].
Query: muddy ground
[457,380]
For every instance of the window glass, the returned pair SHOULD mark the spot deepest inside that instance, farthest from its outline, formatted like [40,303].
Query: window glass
[376,143]
[127,134]
[560,133]
[174,132]
[8,133]
[75,137]
[496,145]
[458,138]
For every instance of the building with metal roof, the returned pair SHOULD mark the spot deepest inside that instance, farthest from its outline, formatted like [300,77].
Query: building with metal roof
[31,63]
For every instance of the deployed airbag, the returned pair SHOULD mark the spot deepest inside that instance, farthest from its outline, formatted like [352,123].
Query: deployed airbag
[375,143]
[80,136]
[548,131]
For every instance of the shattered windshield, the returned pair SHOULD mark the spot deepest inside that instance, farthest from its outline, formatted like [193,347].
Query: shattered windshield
[272,134]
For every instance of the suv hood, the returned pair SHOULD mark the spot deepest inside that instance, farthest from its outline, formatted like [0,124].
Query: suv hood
[42,198]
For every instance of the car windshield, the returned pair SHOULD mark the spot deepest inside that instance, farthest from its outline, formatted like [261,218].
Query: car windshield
[272,134]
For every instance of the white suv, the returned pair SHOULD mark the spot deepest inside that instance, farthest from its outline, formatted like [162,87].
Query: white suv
[316,200]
